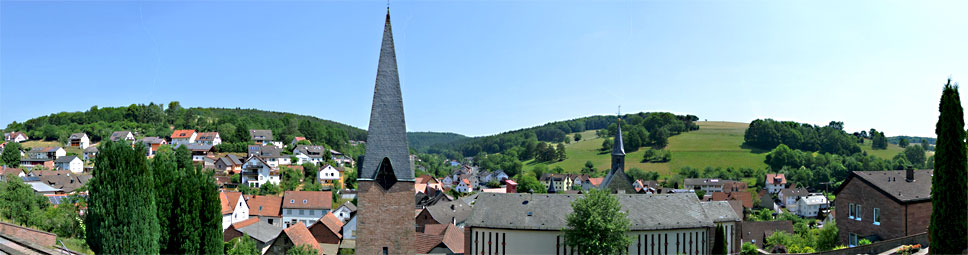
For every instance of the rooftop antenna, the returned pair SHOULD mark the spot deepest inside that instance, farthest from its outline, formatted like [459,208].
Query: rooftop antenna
[388,5]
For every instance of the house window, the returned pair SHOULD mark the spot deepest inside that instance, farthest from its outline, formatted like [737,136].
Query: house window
[859,212]
[850,214]
[270,221]
[302,212]
[386,251]
[877,216]
[852,240]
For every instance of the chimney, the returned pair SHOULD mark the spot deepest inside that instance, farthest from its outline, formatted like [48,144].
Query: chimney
[910,174]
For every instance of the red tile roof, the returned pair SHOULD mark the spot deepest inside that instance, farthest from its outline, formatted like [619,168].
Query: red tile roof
[268,206]
[10,171]
[436,234]
[229,200]
[454,239]
[743,196]
[307,200]
[182,133]
[333,223]
[427,242]
[596,181]
[771,179]
[300,235]
[245,223]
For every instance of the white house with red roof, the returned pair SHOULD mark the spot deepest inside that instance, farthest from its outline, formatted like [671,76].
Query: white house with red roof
[305,206]
[180,137]
[15,137]
[464,186]
[234,208]
[775,183]
[209,138]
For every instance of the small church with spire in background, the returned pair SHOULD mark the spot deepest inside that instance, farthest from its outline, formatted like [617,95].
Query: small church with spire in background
[616,180]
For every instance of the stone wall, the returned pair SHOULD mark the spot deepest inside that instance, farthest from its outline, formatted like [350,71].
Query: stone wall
[33,236]
[385,219]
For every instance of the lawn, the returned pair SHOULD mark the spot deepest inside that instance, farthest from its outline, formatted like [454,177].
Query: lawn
[37,143]
[892,149]
[716,144]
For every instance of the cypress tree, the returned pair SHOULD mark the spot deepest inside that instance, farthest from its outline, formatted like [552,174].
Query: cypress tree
[212,240]
[719,247]
[164,169]
[949,217]
[121,216]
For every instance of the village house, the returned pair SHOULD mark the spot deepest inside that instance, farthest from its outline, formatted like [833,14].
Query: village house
[309,153]
[79,140]
[440,239]
[199,151]
[427,182]
[712,184]
[229,164]
[270,154]
[183,137]
[49,153]
[643,186]
[305,206]
[775,183]
[153,143]
[65,180]
[260,136]
[330,175]
[70,163]
[30,163]
[497,176]
[256,172]
[810,206]
[532,223]
[10,171]
[883,205]
[296,140]
[592,183]
[41,187]
[349,229]
[122,136]
[327,229]
[756,232]
[266,208]
[788,197]
[263,234]
[15,137]
[295,235]
[209,138]
[234,208]
[561,181]
[90,153]
[744,197]
[345,211]
[453,212]
[464,186]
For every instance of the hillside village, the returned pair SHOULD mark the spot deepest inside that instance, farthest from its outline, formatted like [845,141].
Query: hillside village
[284,196]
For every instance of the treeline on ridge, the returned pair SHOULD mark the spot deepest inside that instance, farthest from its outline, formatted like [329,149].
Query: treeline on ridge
[768,134]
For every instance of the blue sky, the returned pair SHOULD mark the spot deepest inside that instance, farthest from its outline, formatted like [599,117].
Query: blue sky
[479,68]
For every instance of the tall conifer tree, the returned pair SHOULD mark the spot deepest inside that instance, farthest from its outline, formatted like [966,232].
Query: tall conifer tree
[121,216]
[949,189]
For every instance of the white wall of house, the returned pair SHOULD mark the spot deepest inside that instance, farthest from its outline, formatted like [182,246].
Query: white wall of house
[547,242]
[183,141]
[291,216]
[275,162]
[774,188]
[241,211]
[262,176]
[464,187]
[226,221]
[329,174]
[342,213]
[75,166]
[84,142]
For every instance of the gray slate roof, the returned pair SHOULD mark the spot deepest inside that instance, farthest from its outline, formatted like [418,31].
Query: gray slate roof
[720,211]
[195,147]
[77,136]
[264,232]
[443,213]
[387,133]
[91,149]
[618,146]
[65,159]
[267,134]
[548,211]
[893,184]
[118,135]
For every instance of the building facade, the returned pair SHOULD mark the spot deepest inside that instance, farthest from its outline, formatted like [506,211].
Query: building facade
[882,205]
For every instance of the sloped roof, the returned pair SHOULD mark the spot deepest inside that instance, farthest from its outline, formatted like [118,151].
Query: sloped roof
[245,223]
[307,200]
[195,147]
[206,136]
[454,239]
[77,136]
[548,211]
[44,149]
[118,135]
[596,181]
[300,235]
[894,185]
[759,230]
[720,211]
[349,205]
[773,178]
[331,222]
[310,149]
[267,134]
[182,134]
[65,159]
[744,197]
[618,145]
[4,170]
[446,212]
[387,132]
[153,140]
[262,231]
[228,200]
[424,242]
[795,192]
[91,149]
[267,206]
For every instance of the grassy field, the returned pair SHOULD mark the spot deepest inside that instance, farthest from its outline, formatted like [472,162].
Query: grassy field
[31,144]
[892,149]
[716,144]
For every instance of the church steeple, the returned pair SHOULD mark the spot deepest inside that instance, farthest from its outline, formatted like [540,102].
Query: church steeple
[616,179]
[386,141]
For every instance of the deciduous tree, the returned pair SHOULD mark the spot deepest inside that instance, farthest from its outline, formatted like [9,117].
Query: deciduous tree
[597,224]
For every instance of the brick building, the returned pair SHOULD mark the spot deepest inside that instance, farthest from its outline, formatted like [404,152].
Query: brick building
[386,182]
[882,205]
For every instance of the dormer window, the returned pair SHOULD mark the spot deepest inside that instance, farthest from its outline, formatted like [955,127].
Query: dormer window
[292,201]
[305,201]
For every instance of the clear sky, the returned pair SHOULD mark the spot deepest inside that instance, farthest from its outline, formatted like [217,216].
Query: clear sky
[479,68]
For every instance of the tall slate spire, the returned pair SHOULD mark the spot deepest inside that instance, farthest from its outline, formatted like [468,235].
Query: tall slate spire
[387,134]
[616,179]
[619,145]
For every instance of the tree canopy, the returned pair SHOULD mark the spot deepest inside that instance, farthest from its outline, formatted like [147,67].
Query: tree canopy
[597,224]
[949,220]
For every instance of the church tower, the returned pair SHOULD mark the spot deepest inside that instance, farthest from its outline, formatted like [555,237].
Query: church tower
[385,216]
[616,180]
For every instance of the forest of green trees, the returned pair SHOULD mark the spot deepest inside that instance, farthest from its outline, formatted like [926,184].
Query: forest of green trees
[159,120]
